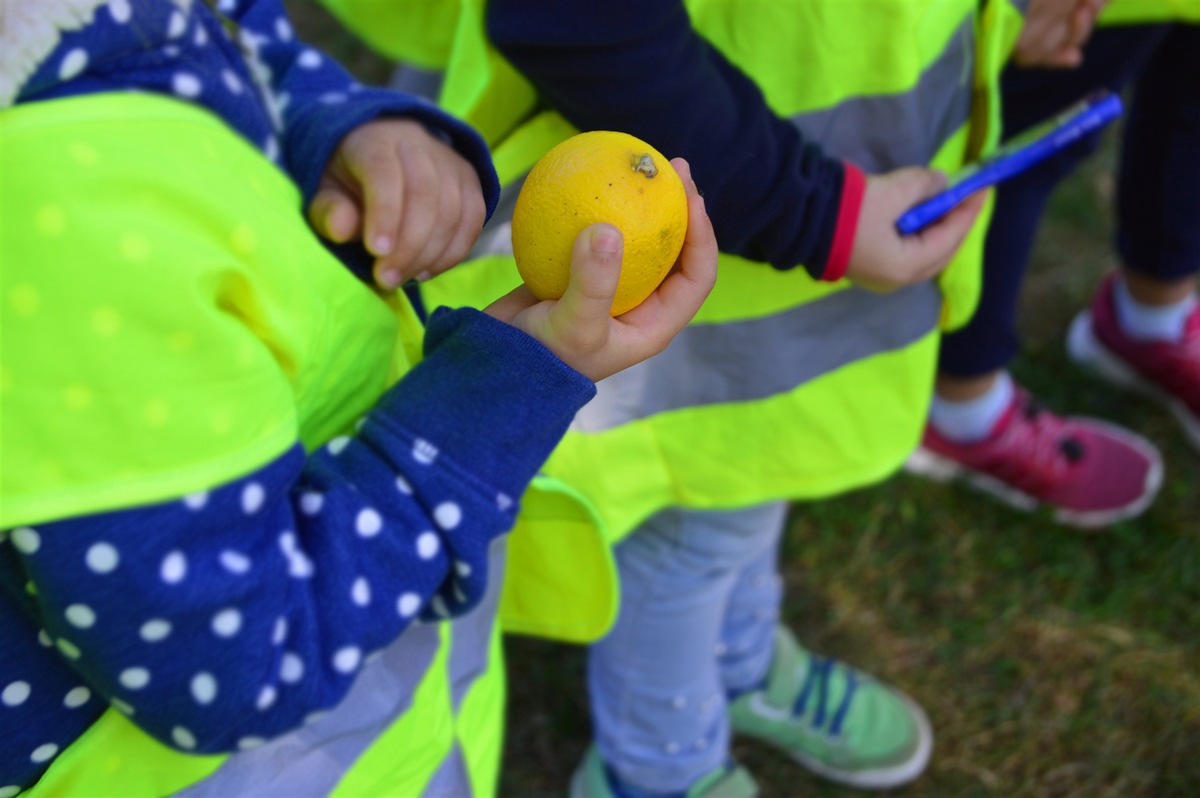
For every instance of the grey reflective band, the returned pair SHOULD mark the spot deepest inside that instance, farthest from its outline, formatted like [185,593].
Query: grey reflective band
[318,754]
[881,132]
[412,79]
[759,358]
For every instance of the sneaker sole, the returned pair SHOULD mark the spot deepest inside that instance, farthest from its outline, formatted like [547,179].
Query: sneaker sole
[942,469]
[1089,352]
[881,778]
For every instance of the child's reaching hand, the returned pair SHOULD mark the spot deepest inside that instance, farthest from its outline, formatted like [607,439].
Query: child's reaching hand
[882,259]
[415,203]
[578,327]
[1055,31]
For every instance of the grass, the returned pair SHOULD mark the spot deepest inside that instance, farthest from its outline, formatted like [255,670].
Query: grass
[1053,664]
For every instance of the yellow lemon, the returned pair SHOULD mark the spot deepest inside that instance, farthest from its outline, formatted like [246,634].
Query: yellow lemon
[600,176]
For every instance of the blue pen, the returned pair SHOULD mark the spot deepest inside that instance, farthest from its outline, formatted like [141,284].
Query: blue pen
[1015,156]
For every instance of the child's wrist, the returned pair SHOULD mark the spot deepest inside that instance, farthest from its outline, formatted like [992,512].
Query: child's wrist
[854,185]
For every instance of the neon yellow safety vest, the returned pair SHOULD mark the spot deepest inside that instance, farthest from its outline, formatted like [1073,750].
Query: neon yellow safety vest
[116,318]
[782,387]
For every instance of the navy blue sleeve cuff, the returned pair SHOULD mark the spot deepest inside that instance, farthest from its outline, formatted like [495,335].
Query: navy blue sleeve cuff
[494,399]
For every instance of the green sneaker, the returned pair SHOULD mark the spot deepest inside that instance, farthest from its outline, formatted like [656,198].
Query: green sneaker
[836,721]
[591,781]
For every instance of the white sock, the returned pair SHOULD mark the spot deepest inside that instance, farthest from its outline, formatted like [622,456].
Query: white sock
[1152,322]
[974,419]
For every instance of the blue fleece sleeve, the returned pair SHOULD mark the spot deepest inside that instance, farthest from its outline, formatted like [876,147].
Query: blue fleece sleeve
[638,66]
[228,616]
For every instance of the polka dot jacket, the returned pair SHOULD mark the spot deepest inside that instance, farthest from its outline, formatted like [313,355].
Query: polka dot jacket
[223,618]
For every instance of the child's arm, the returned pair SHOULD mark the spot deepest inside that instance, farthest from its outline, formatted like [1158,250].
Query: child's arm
[226,617]
[232,614]
[410,219]
[1055,32]
[639,66]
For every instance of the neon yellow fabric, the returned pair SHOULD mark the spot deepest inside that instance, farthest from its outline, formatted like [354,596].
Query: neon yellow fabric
[119,388]
[417,31]
[561,582]
[115,759]
[852,50]
[1136,12]
[149,405]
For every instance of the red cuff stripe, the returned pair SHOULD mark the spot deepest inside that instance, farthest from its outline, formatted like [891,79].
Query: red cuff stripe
[853,188]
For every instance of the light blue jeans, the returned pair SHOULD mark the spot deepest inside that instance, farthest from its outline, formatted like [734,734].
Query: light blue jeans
[700,600]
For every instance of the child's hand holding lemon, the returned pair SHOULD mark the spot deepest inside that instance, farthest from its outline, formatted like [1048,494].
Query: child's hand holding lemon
[608,227]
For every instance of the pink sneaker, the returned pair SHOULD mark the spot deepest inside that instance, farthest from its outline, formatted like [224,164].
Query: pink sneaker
[1092,473]
[1169,372]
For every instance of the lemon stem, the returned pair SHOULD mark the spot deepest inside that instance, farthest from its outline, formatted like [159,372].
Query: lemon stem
[644,164]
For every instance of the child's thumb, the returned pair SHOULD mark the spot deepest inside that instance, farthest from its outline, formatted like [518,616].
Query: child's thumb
[595,270]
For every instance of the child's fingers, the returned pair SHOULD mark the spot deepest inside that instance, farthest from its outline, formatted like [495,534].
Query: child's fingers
[383,184]
[438,246]
[942,240]
[334,214]
[678,299]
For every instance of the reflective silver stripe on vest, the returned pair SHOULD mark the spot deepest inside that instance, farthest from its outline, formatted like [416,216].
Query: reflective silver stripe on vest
[884,132]
[312,760]
[759,358]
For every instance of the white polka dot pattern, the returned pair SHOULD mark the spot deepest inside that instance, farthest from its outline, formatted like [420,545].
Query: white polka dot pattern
[43,753]
[253,496]
[185,84]
[15,693]
[204,688]
[291,668]
[235,562]
[72,64]
[369,523]
[154,630]
[120,11]
[174,568]
[102,557]
[134,678]
[227,622]
[77,697]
